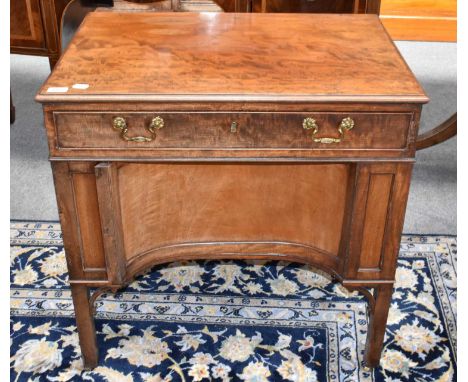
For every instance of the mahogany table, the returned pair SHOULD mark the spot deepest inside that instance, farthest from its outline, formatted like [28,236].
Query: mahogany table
[222,135]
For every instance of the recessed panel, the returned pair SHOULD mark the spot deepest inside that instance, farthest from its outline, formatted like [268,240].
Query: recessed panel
[85,198]
[169,204]
[25,24]
[378,199]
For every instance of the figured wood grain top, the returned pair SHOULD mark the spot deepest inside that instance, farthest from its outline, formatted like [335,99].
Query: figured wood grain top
[232,57]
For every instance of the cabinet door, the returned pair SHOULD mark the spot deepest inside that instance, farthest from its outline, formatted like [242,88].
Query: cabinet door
[290,6]
[303,6]
[26,29]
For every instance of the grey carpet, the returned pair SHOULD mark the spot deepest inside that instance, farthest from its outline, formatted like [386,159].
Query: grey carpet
[432,202]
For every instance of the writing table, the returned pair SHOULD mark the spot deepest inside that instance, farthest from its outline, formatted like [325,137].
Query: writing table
[182,136]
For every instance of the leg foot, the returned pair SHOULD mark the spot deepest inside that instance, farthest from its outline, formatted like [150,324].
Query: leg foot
[53,61]
[12,110]
[377,324]
[85,325]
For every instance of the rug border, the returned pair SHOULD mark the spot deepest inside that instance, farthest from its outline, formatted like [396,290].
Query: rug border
[403,233]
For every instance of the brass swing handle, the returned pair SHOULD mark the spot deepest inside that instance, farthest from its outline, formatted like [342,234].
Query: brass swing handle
[119,123]
[311,124]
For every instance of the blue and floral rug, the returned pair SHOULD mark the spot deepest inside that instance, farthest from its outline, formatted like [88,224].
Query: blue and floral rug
[231,321]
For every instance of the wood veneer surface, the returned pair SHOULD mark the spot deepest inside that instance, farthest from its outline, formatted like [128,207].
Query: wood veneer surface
[421,20]
[216,56]
[165,204]
[25,24]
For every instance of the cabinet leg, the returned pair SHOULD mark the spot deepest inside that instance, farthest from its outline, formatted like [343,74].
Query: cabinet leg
[377,324]
[85,325]
[12,110]
[52,61]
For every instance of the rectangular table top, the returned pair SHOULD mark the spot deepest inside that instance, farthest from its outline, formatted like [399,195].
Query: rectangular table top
[119,56]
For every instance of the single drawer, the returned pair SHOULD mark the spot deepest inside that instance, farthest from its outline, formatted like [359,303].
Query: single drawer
[236,130]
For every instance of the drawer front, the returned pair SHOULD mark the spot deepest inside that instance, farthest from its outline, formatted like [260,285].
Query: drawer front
[224,131]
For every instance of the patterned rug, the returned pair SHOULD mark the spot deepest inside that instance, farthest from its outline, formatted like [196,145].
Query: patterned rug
[231,321]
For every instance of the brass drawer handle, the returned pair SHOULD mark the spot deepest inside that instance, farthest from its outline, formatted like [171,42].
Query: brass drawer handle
[119,123]
[346,124]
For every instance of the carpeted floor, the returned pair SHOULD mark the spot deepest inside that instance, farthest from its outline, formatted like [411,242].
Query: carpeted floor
[432,203]
[231,321]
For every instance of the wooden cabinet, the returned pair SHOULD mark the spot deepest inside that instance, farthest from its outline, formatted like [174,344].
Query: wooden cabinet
[35,27]
[301,6]
[26,28]
[260,136]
